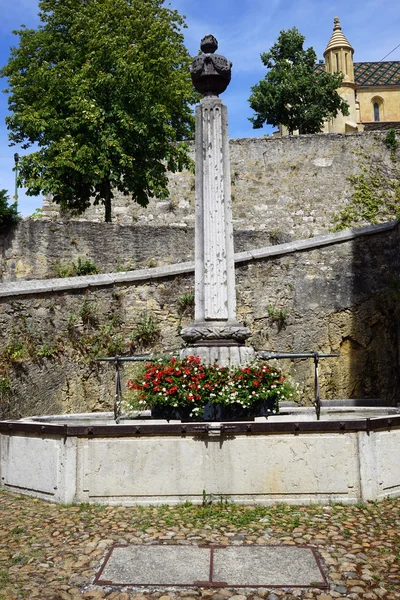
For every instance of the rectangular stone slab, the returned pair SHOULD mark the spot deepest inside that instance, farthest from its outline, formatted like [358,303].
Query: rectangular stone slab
[234,566]
[156,565]
[264,566]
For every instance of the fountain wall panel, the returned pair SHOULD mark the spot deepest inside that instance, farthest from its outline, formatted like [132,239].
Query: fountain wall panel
[264,468]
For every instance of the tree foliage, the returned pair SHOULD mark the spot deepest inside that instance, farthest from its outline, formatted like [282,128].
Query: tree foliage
[293,93]
[103,88]
[8,213]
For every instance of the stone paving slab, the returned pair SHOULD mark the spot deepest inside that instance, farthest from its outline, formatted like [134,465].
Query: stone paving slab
[156,565]
[278,566]
[174,566]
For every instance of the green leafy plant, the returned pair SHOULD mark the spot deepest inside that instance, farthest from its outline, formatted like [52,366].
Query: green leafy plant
[87,313]
[8,213]
[375,198]
[185,305]
[104,342]
[121,266]
[4,577]
[84,266]
[146,331]
[190,383]
[376,191]
[72,322]
[390,141]
[293,92]
[277,315]
[151,263]
[63,269]
[5,387]
[48,350]
[15,349]
[107,111]
[37,215]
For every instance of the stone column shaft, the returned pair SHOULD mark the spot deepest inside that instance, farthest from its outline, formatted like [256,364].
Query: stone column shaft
[215,297]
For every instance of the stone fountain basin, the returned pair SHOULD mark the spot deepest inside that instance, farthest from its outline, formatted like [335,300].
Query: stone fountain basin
[348,456]
[287,414]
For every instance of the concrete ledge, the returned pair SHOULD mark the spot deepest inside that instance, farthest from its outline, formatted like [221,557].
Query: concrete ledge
[316,242]
[40,286]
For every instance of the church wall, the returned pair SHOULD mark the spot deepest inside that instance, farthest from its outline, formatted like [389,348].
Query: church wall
[390,96]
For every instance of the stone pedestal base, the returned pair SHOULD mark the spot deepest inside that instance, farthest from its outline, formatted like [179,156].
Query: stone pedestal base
[224,355]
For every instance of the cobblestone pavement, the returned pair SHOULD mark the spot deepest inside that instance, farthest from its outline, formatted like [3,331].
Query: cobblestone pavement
[53,552]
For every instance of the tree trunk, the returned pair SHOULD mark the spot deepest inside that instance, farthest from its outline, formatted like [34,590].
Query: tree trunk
[107,202]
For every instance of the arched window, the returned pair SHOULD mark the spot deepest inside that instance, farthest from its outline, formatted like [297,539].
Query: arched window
[377,105]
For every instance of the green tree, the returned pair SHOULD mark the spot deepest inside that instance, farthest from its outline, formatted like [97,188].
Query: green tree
[103,88]
[8,213]
[293,92]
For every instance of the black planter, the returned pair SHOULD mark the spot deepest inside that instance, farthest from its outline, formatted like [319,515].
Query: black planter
[237,412]
[171,413]
[215,412]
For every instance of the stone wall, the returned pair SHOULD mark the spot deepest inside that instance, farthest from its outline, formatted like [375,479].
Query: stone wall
[282,188]
[37,249]
[337,295]
[290,187]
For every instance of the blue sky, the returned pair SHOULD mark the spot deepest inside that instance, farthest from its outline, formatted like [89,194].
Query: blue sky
[244,30]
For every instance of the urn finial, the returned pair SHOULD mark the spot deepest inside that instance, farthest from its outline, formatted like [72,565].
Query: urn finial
[211,73]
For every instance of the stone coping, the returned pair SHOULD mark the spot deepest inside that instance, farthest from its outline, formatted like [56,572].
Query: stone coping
[103,425]
[39,286]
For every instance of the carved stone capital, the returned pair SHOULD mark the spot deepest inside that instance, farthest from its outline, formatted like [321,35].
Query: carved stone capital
[215,333]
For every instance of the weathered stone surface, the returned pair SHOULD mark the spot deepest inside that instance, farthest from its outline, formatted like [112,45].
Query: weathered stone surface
[339,298]
[36,249]
[289,187]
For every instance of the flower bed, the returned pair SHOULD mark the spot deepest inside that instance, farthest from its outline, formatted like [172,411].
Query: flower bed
[190,390]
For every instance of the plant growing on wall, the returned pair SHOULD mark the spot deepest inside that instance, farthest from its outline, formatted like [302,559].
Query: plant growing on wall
[293,93]
[185,306]
[102,87]
[146,331]
[391,142]
[84,266]
[375,197]
[277,315]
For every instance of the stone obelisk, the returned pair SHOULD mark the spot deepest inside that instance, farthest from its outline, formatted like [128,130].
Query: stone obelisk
[216,335]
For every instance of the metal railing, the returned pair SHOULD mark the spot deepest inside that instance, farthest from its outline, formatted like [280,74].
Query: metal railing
[117,360]
[263,355]
[316,356]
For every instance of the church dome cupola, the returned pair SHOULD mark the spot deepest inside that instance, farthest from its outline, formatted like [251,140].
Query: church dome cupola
[339,53]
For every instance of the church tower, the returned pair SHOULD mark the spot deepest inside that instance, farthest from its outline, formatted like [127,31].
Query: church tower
[339,58]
